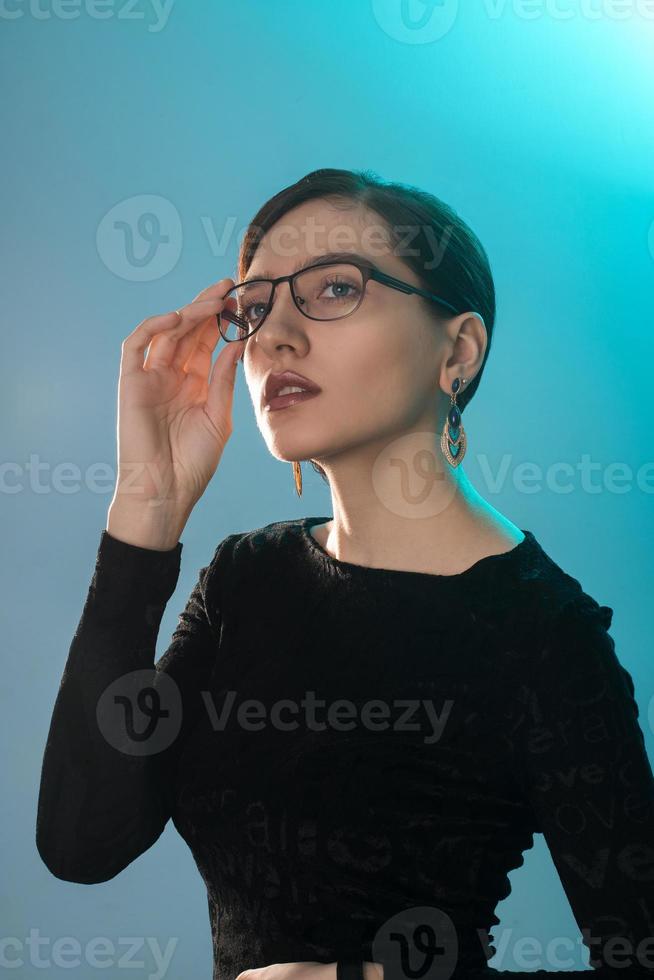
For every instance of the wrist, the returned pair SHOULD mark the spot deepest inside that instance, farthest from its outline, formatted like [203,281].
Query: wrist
[146,526]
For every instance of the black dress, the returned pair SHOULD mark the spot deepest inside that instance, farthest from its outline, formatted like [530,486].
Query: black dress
[355,756]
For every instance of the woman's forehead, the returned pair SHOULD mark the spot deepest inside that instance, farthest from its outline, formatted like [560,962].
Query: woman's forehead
[308,234]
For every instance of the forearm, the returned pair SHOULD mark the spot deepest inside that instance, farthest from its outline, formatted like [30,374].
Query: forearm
[146,525]
[99,806]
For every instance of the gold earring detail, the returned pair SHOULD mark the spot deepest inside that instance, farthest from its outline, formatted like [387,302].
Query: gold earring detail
[453,437]
[297,475]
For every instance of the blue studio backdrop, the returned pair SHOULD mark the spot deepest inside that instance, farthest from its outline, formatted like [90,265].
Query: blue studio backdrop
[139,140]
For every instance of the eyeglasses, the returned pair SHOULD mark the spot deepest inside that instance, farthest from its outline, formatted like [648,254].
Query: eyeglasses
[323,291]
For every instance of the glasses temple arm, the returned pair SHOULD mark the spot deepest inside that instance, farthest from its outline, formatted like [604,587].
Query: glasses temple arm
[232,317]
[404,287]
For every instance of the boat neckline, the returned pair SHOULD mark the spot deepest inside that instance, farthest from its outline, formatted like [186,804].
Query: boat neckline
[487,562]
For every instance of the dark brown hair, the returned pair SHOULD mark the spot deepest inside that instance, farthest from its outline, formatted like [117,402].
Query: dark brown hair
[415,221]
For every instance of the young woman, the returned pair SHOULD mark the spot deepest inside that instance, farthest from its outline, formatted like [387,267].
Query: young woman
[362,719]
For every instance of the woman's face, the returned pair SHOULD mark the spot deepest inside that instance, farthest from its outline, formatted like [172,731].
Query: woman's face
[378,368]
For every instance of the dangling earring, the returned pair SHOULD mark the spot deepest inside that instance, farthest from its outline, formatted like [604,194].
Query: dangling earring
[453,437]
[297,475]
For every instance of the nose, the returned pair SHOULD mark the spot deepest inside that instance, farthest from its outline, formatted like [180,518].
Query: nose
[277,305]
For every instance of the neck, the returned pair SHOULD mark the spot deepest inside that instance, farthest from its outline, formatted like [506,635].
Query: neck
[406,507]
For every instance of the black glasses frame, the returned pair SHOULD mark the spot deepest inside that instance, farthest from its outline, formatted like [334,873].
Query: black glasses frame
[367,271]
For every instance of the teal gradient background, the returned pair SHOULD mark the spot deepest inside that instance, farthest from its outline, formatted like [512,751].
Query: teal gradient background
[535,123]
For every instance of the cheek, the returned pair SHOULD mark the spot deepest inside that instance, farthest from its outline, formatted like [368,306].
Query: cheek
[395,369]
[377,357]
[379,384]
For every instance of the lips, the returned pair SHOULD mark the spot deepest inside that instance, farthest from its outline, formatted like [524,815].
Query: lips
[275,382]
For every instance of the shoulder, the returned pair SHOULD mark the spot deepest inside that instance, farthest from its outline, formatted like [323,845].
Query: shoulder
[569,676]
[237,552]
[569,616]
[578,652]
[543,614]
[575,674]
[260,540]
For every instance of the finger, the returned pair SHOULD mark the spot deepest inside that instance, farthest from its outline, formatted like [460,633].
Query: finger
[134,344]
[189,341]
[221,383]
[216,289]
[174,323]
[202,341]
[198,358]
[163,346]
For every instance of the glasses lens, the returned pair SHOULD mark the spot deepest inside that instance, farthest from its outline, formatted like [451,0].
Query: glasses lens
[329,291]
[324,293]
[244,309]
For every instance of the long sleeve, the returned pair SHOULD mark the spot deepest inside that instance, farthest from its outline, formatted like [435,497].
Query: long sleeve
[310,842]
[119,720]
[588,777]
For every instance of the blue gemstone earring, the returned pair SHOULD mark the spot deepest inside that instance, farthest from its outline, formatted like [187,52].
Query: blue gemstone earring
[453,437]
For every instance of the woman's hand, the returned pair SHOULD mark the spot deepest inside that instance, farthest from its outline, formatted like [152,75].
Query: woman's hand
[174,411]
[307,971]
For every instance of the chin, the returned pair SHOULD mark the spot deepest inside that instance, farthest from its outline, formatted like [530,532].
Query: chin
[299,456]
[295,450]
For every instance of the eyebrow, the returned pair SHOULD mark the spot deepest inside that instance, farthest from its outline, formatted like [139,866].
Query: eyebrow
[318,260]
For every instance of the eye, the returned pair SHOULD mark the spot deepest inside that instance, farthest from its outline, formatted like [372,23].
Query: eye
[246,311]
[340,283]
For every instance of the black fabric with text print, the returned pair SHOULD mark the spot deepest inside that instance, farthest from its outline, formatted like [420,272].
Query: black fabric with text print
[356,757]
